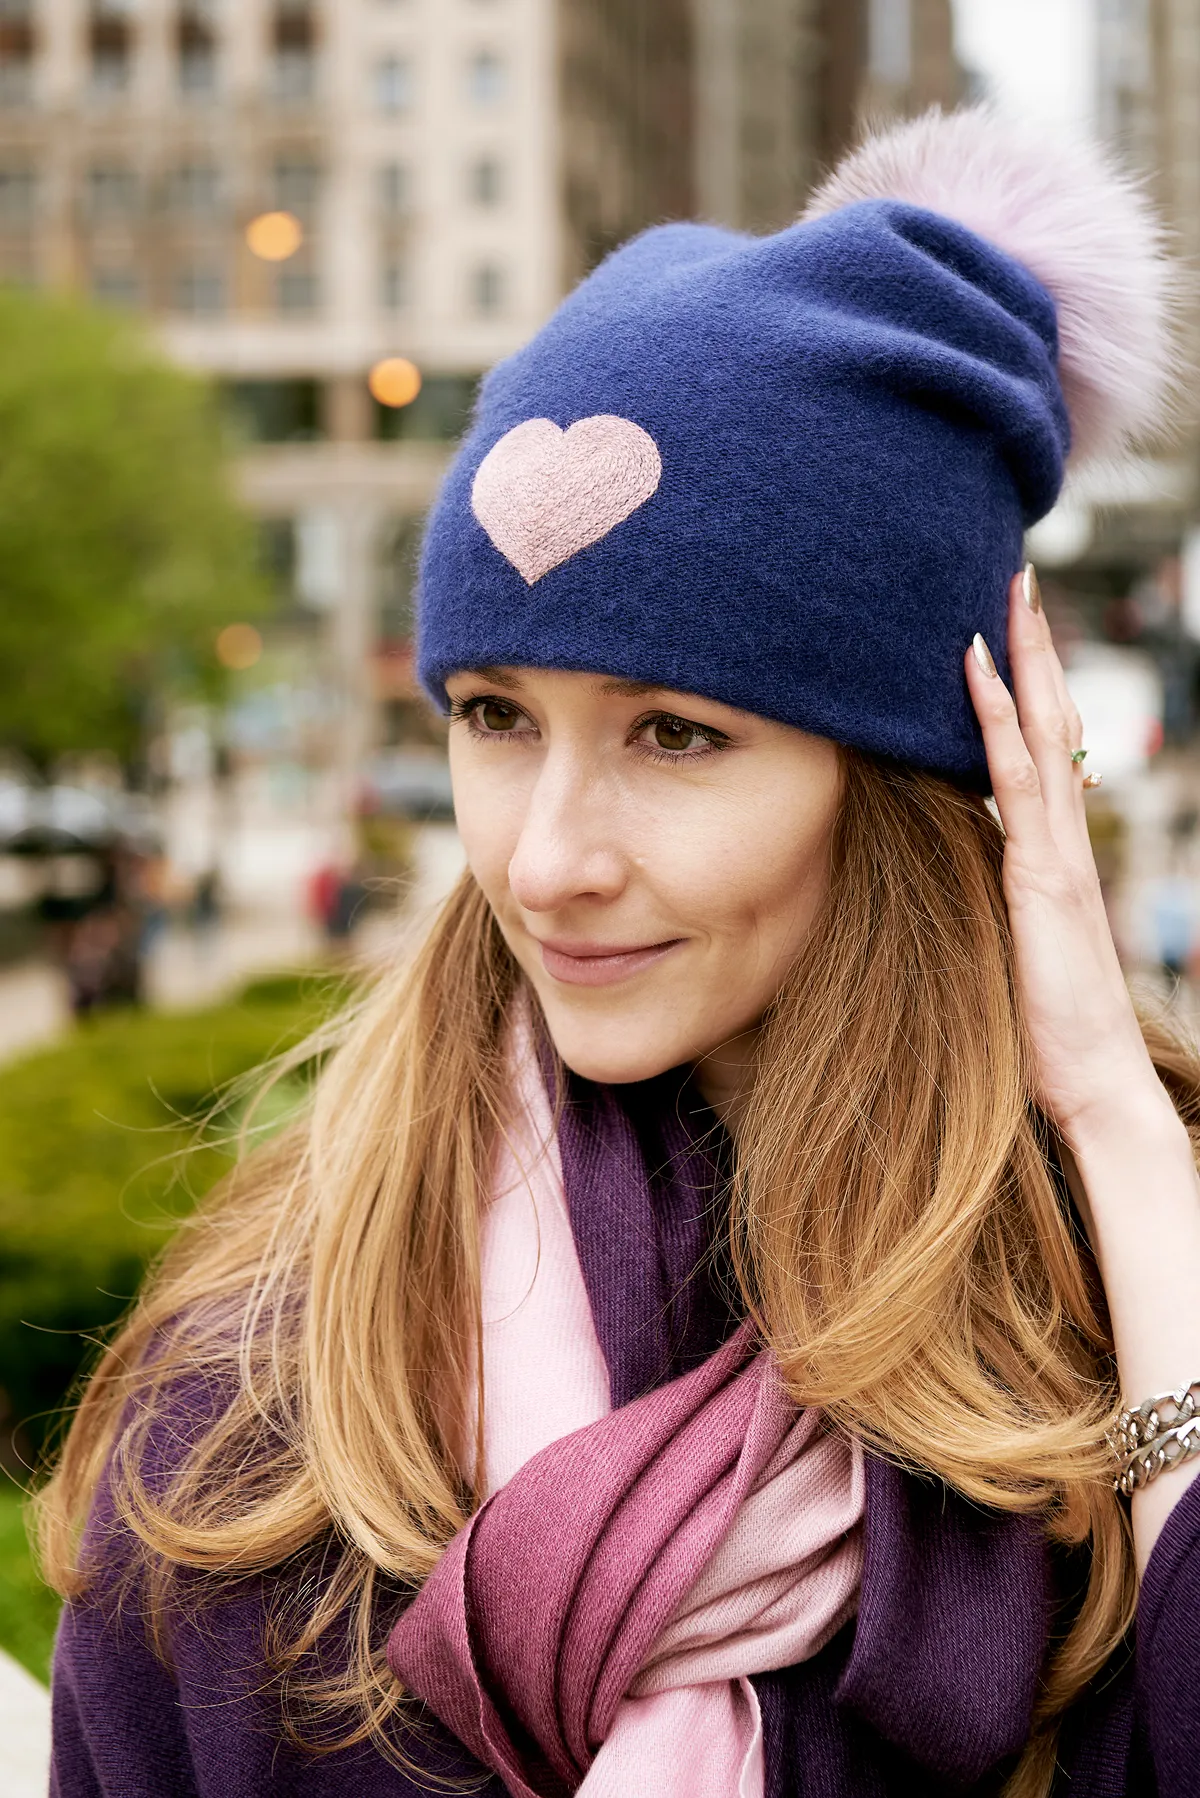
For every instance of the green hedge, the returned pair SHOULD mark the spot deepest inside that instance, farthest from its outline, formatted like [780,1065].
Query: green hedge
[93,1177]
[28,1608]
[92,1180]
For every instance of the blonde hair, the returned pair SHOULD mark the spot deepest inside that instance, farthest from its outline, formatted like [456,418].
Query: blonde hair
[897,1225]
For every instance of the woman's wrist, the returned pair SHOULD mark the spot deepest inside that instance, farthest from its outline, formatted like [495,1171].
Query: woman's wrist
[1134,1161]
[1127,1116]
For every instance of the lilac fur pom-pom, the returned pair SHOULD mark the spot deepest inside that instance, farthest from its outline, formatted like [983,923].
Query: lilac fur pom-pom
[1084,229]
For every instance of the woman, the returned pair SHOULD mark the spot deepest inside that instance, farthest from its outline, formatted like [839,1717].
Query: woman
[759,1189]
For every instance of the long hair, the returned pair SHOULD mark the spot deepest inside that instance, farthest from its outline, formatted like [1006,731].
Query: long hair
[897,1222]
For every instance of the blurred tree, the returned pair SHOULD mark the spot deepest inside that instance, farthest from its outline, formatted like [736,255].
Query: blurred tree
[122,549]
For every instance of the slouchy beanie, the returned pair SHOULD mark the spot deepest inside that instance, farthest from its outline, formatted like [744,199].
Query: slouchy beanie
[793,473]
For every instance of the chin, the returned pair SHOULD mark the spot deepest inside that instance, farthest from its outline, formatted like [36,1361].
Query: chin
[614,1052]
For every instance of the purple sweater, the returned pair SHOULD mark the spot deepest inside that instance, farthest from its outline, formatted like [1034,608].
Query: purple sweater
[929,1691]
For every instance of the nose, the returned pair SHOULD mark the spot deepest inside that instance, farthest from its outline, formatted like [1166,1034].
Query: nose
[567,848]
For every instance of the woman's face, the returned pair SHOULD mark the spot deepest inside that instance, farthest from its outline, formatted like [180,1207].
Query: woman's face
[654,860]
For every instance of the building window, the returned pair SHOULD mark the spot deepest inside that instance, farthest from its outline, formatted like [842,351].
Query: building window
[116,286]
[197,70]
[889,41]
[394,286]
[18,189]
[111,44]
[486,78]
[197,49]
[394,84]
[296,290]
[200,292]
[112,191]
[395,187]
[486,181]
[296,186]
[399,557]
[110,71]
[294,78]
[295,51]
[195,189]
[487,290]
[440,413]
[16,52]
[287,411]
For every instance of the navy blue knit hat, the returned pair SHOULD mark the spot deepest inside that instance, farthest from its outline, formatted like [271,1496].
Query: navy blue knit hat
[793,473]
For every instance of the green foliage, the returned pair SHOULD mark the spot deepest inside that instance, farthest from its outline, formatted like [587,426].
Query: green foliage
[28,1608]
[94,1174]
[122,550]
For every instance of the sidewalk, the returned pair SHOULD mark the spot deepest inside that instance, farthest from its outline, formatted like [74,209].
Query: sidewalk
[33,1008]
[184,970]
[24,1733]
[187,969]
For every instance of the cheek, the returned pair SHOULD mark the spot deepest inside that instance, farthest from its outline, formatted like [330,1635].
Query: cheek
[488,815]
[757,880]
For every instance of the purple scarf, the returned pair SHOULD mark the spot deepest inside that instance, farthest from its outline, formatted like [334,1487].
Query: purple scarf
[596,1623]
[923,1685]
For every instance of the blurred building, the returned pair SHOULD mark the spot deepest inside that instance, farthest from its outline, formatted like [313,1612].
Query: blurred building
[1148,101]
[1131,523]
[452,165]
[1148,111]
[1122,543]
[448,168]
[784,87]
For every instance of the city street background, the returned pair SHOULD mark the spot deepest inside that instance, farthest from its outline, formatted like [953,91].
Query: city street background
[255,256]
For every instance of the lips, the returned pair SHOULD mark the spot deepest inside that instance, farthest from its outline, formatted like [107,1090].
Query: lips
[597,964]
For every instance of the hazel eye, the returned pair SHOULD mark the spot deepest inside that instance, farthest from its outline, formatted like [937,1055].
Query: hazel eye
[676,735]
[496,715]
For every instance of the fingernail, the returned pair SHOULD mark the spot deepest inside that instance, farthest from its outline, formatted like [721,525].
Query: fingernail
[1030,588]
[983,656]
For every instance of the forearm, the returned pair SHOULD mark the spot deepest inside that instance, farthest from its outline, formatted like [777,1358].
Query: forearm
[1138,1175]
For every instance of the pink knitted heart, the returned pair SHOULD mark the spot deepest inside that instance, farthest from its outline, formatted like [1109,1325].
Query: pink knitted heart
[542,494]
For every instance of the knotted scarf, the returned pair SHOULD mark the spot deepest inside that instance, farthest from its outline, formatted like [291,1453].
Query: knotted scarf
[594,1627]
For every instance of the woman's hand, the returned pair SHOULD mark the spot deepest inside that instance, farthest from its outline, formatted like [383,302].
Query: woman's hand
[1087,1047]
[1093,1074]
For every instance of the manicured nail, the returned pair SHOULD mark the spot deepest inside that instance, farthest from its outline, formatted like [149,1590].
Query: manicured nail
[983,656]
[1030,588]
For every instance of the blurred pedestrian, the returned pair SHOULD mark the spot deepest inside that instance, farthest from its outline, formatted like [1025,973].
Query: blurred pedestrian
[206,907]
[336,898]
[96,925]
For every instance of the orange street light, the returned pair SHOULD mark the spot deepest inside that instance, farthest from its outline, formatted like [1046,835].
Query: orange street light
[239,646]
[395,381]
[274,236]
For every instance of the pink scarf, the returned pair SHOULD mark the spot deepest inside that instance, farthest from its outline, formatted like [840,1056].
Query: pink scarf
[594,1626]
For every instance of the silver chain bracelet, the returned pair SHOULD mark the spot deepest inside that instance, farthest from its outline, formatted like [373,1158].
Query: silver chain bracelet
[1156,1436]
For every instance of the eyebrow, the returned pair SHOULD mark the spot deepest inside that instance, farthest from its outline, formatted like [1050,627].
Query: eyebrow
[608,687]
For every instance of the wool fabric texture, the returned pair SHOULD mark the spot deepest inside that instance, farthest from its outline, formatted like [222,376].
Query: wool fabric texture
[611,1599]
[930,1689]
[793,473]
